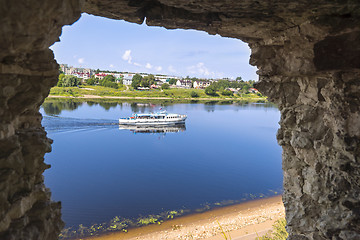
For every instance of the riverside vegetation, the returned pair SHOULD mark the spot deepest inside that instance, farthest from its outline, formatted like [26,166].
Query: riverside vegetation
[279,231]
[121,224]
[70,86]
[172,93]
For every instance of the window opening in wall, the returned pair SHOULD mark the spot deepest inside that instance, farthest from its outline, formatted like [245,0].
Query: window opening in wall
[114,178]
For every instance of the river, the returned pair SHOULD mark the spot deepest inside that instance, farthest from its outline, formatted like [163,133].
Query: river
[225,154]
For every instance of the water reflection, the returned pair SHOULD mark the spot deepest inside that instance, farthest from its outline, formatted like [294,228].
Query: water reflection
[55,107]
[141,107]
[108,105]
[154,129]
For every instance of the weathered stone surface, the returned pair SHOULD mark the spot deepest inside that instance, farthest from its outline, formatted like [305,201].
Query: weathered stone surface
[308,57]
[320,139]
[27,72]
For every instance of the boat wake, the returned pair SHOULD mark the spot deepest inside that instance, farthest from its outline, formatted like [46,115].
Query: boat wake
[63,124]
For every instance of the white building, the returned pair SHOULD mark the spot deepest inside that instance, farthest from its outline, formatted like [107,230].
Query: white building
[183,83]
[84,73]
[201,84]
[127,80]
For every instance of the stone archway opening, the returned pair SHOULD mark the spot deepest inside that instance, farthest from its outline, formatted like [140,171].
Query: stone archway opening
[80,146]
[308,59]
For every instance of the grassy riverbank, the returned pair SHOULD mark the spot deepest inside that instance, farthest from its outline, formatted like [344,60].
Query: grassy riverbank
[173,93]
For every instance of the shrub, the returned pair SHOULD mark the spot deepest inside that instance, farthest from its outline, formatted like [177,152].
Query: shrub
[194,94]
[227,93]
[165,86]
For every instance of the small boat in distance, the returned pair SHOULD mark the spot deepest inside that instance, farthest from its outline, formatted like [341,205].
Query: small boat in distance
[159,118]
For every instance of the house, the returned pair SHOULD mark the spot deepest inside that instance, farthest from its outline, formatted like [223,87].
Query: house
[127,80]
[164,78]
[233,90]
[201,84]
[153,86]
[158,82]
[78,72]
[161,78]
[253,90]
[100,75]
[183,83]
[81,75]
[143,88]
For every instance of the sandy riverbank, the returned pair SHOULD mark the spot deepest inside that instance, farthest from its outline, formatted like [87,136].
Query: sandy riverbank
[241,221]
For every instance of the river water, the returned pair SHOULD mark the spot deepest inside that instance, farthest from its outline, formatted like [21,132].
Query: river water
[224,154]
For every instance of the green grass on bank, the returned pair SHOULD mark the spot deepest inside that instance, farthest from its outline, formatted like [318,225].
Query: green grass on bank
[173,93]
[279,231]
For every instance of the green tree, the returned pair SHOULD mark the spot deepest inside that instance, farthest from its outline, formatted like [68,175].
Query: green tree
[109,78]
[70,81]
[211,90]
[245,88]
[91,81]
[172,81]
[221,84]
[147,81]
[136,80]
[61,80]
[239,79]
[165,86]
[108,82]
[251,83]
[97,71]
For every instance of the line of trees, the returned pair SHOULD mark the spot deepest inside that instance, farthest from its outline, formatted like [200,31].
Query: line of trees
[223,86]
[107,81]
[72,81]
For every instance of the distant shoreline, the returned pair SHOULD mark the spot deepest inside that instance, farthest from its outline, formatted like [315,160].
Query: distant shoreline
[249,218]
[99,92]
[156,98]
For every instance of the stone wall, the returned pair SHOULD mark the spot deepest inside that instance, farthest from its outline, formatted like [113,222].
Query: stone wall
[315,80]
[27,72]
[308,55]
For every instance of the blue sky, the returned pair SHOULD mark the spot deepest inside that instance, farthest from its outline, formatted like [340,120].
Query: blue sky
[97,42]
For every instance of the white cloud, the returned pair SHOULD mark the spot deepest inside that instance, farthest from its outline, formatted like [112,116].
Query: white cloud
[137,64]
[148,66]
[171,69]
[127,56]
[201,70]
[111,66]
[159,68]
[81,60]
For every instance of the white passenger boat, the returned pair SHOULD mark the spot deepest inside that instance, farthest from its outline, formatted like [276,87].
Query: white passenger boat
[159,118]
